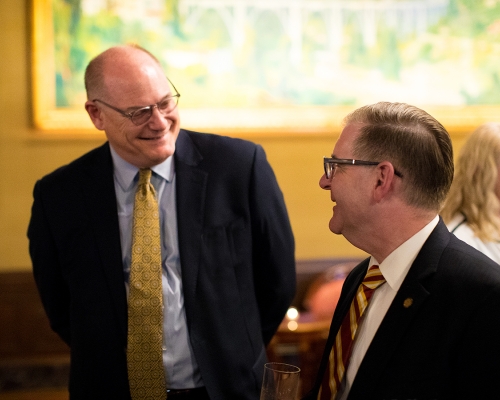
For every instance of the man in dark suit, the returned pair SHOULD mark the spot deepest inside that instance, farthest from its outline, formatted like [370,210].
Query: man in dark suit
[431,330]
[228,272]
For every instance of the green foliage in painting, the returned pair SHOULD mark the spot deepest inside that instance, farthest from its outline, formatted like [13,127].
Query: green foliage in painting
[442,53]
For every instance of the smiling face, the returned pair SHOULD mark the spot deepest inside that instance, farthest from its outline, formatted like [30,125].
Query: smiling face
[349,188]
[131,80]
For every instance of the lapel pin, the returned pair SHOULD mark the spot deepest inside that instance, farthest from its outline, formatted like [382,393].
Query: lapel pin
[408,302]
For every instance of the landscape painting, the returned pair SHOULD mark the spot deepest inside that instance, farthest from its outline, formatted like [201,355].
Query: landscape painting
[278,65]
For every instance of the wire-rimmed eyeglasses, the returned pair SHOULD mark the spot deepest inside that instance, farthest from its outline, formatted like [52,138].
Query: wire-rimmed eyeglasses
[143,114]
[330,165]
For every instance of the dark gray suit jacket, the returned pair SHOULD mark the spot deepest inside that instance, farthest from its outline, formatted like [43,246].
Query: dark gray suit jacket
[237,258]
[446,345]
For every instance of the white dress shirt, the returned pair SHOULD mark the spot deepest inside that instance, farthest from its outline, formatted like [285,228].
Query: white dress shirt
[181,369]
[394,269]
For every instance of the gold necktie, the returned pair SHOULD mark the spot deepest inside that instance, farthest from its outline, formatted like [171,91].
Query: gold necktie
[342,348]
[145,302]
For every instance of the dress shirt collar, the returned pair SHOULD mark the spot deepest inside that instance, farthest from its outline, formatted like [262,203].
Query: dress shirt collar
[125,172]
[395,267]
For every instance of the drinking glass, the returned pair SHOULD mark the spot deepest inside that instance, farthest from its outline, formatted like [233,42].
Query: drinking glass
[281,382]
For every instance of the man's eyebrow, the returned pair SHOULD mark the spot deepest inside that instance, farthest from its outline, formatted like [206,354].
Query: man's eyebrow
[135,108]
[166,96]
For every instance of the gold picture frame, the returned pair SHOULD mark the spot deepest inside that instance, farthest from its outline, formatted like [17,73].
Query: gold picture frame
[289,119]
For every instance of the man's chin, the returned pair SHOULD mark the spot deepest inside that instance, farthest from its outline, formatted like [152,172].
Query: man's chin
[334,228]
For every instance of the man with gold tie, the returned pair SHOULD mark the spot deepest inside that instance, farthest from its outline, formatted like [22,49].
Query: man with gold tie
[418,319]
[164,258]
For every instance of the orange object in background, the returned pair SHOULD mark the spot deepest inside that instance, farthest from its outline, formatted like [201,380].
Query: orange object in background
[323,294]
[323,302]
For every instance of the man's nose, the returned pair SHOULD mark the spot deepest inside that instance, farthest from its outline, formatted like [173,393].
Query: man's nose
[324,182]
[157,119]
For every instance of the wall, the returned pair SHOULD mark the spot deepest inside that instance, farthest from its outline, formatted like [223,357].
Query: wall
[25,157]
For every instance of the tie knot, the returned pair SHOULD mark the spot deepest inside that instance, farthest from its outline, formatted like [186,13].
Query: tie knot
[373,278]
[144,176]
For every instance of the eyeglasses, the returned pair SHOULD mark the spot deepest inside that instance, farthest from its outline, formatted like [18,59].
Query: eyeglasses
[143,114]
[330,165]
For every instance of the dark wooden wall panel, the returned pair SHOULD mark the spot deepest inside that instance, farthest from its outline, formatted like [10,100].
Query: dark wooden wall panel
[24,328]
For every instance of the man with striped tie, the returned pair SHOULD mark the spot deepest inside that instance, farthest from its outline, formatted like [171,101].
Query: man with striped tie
[418,319]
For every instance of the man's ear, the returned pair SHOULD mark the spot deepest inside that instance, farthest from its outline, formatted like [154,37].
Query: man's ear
[95,114]
[385,179]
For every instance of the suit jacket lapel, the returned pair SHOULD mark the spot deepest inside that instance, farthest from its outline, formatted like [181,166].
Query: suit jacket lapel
[99,193]
[191,190]
[405,306]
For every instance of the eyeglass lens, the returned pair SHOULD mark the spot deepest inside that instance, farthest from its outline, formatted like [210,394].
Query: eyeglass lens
[329,169]
[165,106]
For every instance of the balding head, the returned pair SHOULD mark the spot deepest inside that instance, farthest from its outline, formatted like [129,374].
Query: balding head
[124,59]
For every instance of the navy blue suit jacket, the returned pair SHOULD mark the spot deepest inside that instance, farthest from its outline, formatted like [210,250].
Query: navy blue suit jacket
[445,345]
[237,258]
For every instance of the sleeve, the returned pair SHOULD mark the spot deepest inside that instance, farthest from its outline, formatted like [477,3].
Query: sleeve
[273,249]
[47,271]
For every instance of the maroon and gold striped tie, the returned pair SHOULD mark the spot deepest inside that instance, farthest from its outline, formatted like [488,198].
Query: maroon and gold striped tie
[342,348]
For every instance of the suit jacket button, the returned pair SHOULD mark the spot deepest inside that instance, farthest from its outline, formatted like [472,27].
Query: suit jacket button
[408,302]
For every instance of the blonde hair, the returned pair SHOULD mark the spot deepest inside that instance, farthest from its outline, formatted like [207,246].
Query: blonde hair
[472,192]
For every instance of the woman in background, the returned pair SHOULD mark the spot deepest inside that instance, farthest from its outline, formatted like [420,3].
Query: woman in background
[472,208]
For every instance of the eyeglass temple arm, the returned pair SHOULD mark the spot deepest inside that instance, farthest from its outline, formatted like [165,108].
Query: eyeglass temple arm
[173,86]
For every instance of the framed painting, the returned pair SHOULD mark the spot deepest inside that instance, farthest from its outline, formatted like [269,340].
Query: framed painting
[277,66]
